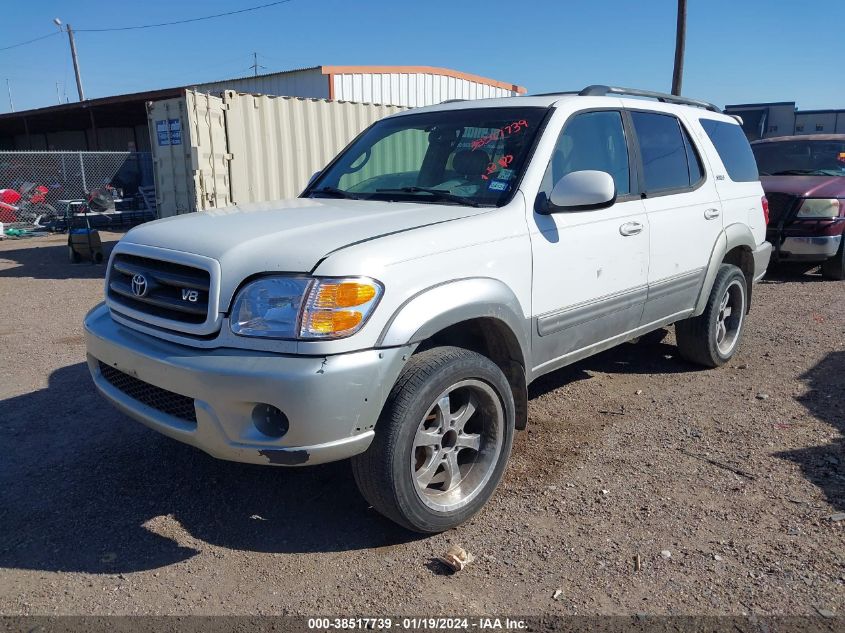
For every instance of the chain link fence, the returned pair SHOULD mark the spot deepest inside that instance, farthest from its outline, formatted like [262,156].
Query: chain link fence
[35,185]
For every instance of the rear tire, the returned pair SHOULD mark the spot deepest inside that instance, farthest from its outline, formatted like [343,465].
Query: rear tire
[712,338]
[441,443]
[834,268]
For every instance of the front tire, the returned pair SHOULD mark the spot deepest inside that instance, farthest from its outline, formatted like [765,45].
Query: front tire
[834,268]
[442,441]
[712,338]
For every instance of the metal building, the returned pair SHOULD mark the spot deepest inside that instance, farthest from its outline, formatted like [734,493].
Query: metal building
[782,118]
[119,122]
[408,86]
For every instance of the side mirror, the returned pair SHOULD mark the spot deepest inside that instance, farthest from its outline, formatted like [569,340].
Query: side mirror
[582,191]
[313,177]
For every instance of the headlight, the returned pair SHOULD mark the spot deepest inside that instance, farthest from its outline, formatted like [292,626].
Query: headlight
[304,308]
[269,307]
[819,208]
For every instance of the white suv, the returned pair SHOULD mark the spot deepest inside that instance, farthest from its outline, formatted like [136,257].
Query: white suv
[396,312]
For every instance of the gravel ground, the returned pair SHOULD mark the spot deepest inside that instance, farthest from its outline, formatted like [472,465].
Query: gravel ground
[722,484]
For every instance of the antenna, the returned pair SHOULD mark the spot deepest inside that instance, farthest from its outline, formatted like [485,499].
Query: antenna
[9,88]
[255,65]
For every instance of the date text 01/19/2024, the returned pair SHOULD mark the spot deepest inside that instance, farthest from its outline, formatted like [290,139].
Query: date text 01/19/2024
[417,623]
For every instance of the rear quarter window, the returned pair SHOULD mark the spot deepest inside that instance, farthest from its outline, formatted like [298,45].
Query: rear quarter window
[733,148]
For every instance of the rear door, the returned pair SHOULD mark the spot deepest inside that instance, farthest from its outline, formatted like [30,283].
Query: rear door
[737,178]
[684,213]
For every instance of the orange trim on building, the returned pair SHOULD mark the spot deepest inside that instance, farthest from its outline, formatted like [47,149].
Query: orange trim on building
[430,70]
[331,85]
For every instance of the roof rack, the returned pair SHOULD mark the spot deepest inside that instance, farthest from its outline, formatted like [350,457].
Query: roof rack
[601,91]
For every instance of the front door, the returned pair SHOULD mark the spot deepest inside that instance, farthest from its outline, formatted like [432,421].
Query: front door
[590,267]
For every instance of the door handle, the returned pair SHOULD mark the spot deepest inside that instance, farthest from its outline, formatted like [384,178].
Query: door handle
[711,214]
[631,228]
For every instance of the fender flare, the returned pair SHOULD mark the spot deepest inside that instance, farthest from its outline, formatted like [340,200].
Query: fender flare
[731,236]
[438,307]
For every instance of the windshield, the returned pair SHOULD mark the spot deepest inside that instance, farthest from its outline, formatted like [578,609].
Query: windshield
[800,158]
[473,157]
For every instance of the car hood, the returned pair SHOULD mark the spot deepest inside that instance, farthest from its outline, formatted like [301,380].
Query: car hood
[287,235]
[805,186]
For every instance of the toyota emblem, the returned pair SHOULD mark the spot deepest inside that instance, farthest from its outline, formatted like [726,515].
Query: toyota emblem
[139,285]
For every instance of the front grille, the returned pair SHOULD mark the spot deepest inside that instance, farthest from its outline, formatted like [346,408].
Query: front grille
[159,288]
[174,404]
[780,205]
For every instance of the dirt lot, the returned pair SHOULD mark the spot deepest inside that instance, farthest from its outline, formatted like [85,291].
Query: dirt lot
[722,482]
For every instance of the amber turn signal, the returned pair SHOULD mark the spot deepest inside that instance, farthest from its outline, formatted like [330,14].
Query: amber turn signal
[327,312]
[344,294]
[332,321]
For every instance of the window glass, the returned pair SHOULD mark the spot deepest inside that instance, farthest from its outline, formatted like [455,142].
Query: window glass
[461,156]
[591,140]
[800,158]
[663,150]
[733,149]
[400,155]
[696,172]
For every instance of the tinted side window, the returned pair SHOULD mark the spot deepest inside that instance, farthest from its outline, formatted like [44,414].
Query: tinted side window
[664,152]
[733,148]
[591,140]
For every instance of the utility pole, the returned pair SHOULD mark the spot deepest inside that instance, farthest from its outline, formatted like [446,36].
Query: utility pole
[9,88]
[680,45]
[69,30]
[58,94]
[255,65]
[75,63]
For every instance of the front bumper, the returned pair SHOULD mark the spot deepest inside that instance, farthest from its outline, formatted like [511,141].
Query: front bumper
[814,248]
[332,402]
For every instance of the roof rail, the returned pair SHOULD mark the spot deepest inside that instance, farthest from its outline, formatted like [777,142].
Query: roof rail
[601,91]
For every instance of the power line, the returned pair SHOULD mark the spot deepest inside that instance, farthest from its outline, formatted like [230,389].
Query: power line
[35,39]
[207,17]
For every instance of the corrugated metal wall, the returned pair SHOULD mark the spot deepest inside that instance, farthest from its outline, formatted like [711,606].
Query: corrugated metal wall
[208,149]
[410,89]
[277,143]
[174,178]
[247,148]
[308,82]
[190,155]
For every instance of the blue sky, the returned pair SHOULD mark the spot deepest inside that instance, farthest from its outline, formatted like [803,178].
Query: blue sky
[737,51]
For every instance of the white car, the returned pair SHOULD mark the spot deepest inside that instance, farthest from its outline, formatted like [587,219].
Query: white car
[396,312]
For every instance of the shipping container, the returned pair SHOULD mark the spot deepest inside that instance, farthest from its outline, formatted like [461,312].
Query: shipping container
[211,152]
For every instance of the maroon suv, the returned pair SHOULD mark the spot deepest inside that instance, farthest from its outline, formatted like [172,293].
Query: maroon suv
[804,180]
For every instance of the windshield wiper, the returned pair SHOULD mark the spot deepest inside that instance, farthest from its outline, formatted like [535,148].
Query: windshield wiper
[338,193]
[438,194]
[796,172]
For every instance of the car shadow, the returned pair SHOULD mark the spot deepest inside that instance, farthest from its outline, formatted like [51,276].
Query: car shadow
[84,488]
[791,272]
[648,355]
[824,465]
[50,261]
